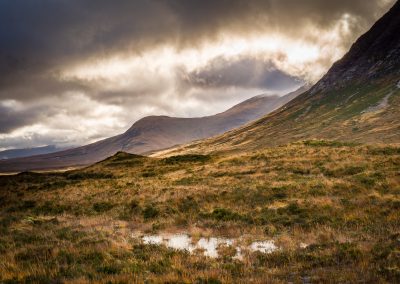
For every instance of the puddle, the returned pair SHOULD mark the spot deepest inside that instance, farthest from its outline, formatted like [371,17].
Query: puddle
[264,247]
[180,242]
[209,246]
[152,240]
[398,85]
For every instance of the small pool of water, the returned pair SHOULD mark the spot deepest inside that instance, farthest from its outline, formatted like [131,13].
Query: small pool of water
[264,246]
[209,246]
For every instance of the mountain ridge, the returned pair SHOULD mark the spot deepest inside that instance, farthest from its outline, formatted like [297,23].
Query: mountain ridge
[153,133]
[26,152]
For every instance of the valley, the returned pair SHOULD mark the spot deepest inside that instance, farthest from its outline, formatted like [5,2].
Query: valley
[151,134]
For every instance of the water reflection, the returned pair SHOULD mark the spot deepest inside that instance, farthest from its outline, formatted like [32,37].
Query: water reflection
[209,246]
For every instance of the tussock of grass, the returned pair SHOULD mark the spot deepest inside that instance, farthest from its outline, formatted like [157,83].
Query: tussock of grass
[186,159]
[328,143]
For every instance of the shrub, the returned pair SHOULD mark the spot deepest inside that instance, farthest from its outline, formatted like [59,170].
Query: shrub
[186,159]
[343,171]
[28,204]
[125,159]
[188,204]
[50,208]
[286,216]
[150,212]
[222,214]
[187,181]
[92,257]
[347,253]
[102,206]
[367,181]
[149,173]
[109,269]
[160,267]
[327,143]
[89,175]
[134,206]
[385,151]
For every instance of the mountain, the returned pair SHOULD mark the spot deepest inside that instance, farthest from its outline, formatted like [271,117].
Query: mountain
[26,152]
[154,133]
[357,100]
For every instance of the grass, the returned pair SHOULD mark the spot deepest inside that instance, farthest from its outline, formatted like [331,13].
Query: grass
[186,159]
[341,199]
[348,114]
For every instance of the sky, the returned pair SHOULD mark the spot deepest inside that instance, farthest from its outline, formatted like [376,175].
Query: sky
[73,72]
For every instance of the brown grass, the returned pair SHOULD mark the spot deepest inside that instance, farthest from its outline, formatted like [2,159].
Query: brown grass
[84,226]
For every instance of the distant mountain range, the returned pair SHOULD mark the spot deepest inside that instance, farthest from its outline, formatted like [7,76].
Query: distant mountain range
[154,133]
[358,100]
[26,152]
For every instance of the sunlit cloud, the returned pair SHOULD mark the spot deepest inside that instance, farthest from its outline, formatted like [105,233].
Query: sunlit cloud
[289,54]
[90,120]
[83,74]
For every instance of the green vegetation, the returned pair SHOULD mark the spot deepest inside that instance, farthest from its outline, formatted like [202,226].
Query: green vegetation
[328,143]
[352,113]
[186,159]
[340,199]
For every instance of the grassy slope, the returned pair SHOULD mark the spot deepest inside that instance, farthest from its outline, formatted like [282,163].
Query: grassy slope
[348,114]
[341,199]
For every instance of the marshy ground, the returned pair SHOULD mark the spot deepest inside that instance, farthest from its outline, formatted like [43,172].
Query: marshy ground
[332,209]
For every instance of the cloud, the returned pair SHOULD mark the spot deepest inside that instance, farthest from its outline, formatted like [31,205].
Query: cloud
[44,37]
[60,59]
[69,120]
[12,118]
[245,72]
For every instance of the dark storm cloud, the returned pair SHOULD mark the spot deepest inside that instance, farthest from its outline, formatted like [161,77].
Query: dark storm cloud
[11,119]
[199,17]
[245,73]
[40,39]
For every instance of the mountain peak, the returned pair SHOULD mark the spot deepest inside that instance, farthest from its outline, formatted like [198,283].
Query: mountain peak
[375,55]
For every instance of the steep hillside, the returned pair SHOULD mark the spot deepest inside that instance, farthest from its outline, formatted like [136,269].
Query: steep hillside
[154,133]
[357,100]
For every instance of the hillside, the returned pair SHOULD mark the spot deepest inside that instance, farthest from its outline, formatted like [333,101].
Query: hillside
[26,152]
[357,100]
[154,133]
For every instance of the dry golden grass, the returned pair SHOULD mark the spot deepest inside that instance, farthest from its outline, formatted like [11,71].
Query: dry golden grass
[339,200]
